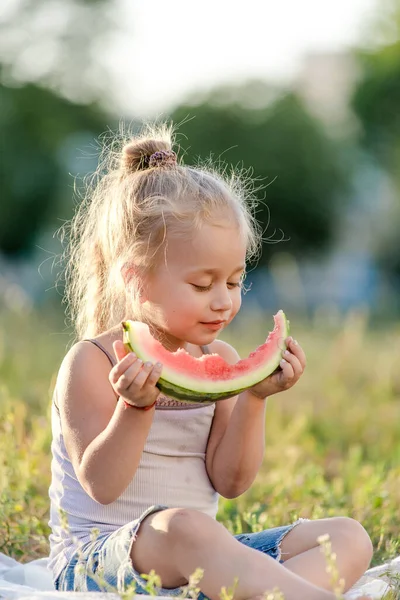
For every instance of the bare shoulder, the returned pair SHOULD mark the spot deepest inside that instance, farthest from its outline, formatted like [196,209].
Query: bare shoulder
[85,362]
[225,350]
[86,399]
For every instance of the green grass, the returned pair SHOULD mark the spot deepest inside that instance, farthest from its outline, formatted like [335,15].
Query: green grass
[332,443]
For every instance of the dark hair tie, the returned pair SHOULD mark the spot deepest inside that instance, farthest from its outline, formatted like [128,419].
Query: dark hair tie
[162,158]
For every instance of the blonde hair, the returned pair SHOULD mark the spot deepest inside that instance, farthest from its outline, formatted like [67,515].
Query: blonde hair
[125,215]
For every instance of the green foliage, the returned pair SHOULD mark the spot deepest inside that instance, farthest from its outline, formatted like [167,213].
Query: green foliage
[36,126]
[48,109]
[332,442]
[376,101]
[300,170]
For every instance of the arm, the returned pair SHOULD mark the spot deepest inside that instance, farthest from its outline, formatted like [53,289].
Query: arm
[104,438]
[237,440]
[234,463]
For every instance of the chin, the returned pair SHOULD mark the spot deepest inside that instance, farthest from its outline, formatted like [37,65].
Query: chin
[201,340]
[207,339]
[193,336]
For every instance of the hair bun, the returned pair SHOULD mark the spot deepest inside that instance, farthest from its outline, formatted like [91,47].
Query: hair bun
[142,154]
[161,158]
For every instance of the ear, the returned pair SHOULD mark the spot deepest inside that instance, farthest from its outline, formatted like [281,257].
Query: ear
[128,271]
[131,274]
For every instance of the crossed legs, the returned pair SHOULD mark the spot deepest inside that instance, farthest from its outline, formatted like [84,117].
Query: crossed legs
[175,542]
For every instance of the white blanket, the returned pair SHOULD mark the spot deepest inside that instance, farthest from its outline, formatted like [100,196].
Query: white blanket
[33,580]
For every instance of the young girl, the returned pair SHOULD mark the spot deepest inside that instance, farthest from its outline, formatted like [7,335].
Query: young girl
[167,244]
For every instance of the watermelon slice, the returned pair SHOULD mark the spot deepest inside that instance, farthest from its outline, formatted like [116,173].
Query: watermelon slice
[210,377]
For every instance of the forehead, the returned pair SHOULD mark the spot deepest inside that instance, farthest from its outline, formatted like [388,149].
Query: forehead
[217,246]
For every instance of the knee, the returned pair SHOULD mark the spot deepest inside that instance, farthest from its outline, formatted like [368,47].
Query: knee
[189,524]
[357,540]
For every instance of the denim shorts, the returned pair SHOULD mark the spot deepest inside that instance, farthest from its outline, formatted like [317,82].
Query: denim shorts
[104,565]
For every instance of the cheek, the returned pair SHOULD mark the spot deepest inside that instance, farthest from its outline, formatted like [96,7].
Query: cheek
[185,298]
[236,303]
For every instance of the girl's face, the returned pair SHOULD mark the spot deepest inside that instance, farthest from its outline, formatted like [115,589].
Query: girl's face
[196,291]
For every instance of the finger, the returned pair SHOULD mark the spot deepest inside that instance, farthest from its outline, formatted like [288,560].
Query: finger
[297,350]
[142,375]
[129,377]
[154,375]
[287,373]
[121,367]
[120,349]
[294,361]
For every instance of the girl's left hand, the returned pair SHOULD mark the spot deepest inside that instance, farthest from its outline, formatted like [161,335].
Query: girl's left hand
[288,373]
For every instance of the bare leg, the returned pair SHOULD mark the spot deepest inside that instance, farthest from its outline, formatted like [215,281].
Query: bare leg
[175,542]
[350,542]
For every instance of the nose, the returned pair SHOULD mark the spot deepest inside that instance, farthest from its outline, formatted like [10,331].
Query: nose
[221,300]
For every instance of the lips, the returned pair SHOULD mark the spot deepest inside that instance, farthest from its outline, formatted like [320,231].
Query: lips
[213,322]
[215,325]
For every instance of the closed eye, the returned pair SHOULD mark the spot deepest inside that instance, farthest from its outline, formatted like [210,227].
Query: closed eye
[203,288]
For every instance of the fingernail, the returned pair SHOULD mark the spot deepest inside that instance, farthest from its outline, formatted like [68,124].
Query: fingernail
[286,353]
[283,361]
[158,365]
[147,365]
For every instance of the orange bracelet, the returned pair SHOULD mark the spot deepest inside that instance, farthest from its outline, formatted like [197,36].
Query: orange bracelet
[140,407]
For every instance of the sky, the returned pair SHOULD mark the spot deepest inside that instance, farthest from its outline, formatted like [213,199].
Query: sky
[172,49]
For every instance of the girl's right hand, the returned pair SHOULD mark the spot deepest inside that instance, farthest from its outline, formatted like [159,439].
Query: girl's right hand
[132,380]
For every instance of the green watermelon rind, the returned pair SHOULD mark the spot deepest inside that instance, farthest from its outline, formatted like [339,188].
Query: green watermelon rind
[193,396]
[198,396]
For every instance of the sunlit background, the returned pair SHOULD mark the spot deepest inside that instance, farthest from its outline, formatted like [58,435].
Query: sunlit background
[305,96]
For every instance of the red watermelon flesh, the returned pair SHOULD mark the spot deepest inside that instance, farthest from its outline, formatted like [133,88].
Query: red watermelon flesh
[209,377]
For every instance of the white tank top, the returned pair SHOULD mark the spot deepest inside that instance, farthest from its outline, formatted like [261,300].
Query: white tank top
[171,472]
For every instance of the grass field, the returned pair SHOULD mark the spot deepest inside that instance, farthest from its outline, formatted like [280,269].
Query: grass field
[332,444]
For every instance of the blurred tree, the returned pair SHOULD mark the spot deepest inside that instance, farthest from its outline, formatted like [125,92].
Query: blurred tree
[51,84]
[301,170]
[34,126]
[376,102]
